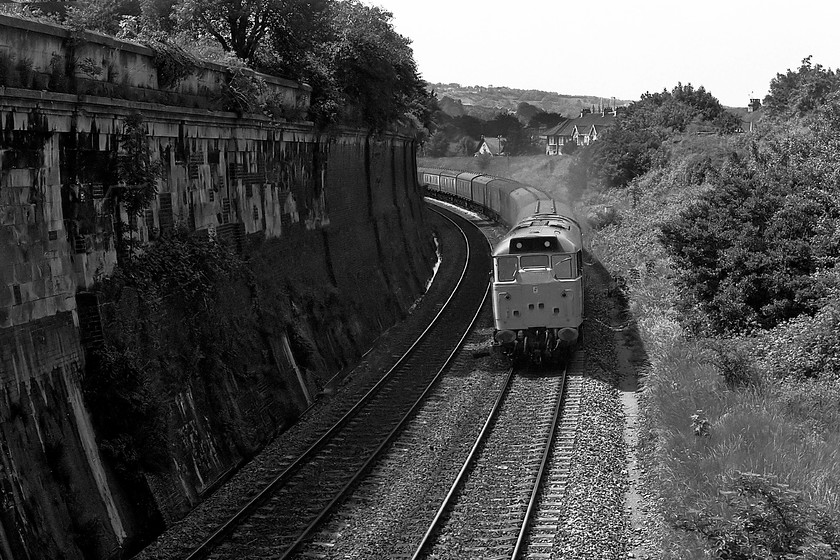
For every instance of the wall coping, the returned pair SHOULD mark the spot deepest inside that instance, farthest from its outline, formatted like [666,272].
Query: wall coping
[66,33]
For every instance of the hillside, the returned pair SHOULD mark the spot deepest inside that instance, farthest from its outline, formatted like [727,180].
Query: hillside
[486,102]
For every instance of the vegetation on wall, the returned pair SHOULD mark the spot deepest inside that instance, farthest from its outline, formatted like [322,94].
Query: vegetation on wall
[151,348]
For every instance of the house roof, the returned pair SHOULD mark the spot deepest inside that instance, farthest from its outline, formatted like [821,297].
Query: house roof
[493,144]
[584,124]
[595,118]
[554,130]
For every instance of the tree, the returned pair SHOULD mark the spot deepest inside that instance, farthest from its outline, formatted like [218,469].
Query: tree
[238,25]
[630,148]
[137,172]
[360,69]
[525,112]
[620,155]
[796,94]
[508,127]
[757,249]
[467,146]
[437,145]
[546,120]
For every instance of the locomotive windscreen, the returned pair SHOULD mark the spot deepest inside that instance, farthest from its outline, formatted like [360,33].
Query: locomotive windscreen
[535,245]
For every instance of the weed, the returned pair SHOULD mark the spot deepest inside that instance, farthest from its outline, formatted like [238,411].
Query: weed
[734,365]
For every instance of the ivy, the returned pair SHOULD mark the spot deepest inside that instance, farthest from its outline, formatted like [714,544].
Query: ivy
[173,63]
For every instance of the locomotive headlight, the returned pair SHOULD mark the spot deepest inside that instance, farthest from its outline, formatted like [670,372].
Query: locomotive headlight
[568,334]
[505,337]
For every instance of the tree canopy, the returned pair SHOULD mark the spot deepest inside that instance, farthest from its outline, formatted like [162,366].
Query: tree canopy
[631,147]
[361,70]
[796,94]
[761,246]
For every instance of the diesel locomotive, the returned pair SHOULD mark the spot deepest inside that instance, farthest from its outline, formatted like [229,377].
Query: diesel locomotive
[537,267]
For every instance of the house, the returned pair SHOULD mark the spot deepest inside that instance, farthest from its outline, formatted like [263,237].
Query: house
[754,112]
[581,131]
[491,146]
[556,137]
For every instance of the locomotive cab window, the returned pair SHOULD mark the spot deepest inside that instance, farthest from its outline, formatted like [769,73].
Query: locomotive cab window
[533,261]
[506,268]
[563,266]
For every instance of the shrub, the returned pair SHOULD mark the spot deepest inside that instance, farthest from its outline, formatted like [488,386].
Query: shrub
[761,518]
[734,364]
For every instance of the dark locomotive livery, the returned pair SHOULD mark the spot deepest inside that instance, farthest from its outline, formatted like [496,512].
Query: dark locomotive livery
[537,266]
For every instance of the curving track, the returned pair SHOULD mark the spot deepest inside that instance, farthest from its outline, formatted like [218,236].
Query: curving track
[280,517]
[507,440]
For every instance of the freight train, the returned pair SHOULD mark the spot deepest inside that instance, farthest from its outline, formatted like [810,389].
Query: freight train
[537,267]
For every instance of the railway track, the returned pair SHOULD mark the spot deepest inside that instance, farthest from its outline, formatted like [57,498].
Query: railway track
[278,519]
[500,506]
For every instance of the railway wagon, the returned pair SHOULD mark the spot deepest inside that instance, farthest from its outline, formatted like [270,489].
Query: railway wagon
[538,281]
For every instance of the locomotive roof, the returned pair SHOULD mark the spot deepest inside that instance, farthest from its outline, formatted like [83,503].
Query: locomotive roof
[544,225]
[546,219]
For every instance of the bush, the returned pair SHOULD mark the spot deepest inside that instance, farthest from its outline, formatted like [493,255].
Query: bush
[761,518]
[734,364]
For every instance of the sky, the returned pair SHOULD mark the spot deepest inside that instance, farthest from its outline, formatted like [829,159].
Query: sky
[621,49]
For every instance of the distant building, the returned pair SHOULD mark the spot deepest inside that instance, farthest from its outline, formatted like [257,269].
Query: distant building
[491,146]
[749,120]
[581,131]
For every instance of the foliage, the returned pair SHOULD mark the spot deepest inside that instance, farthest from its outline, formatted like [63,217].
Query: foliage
[526,112]
[675,111]
[805,347]
[127,410]
[238,25]
[15,73]
[764,518]
[144,357]
[799,93]
[467,146]
[104,16]
[734,364]
[546,120]
[437,145]
[137,170]
[178,266]
[749,250]
[173,63]
[569,148]
[365,72]
[466,126]
[621,155]
[361,71]
[751,422]
[632,147]
[509,128]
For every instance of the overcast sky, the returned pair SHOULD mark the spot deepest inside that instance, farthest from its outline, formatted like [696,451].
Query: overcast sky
[618,49]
